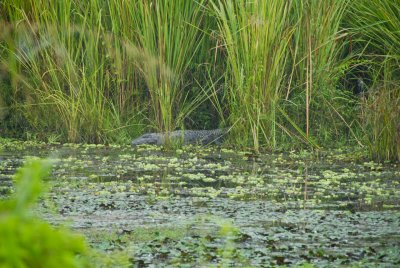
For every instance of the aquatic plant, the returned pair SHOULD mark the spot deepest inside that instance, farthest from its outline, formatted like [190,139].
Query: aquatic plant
[149,206]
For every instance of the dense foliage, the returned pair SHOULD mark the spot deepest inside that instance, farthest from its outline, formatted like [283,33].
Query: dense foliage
[280,73]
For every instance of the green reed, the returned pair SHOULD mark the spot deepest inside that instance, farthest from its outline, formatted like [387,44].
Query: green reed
[315,51]
[375,27]
[99,71]
[380,110]
[256,36]
[72,75]
[167,40]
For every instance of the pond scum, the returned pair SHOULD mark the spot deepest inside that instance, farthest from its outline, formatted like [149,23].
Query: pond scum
[218,207]
[308,175]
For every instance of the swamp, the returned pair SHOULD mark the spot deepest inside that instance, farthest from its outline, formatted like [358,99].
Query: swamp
[213,206]
[199,133]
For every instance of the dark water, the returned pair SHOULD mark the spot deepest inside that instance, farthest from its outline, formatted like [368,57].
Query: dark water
[328,208]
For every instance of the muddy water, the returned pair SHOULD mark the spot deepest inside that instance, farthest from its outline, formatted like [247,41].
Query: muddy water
[330,208]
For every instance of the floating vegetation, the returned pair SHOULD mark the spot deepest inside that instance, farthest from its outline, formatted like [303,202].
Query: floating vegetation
[216,206]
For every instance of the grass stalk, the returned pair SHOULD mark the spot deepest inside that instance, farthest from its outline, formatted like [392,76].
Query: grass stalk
[375,27]
[168,36]
[256,36]
[315,51]
[73,66]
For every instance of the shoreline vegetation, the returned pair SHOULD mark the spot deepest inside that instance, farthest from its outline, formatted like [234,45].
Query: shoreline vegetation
[297,74]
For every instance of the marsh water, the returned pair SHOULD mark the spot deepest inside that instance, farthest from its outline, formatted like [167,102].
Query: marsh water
[218,206]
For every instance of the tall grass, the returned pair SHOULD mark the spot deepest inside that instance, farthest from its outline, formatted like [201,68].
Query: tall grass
[99,71]
[376,23]
[71,76]
[256,35]
[83,63]
[168,35]
[316,49]
[376,29]
[281,53]
[381,113]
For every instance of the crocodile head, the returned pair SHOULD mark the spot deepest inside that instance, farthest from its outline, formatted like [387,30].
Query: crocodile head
[151,138]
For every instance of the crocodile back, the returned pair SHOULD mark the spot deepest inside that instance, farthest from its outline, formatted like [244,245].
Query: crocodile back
[203,137]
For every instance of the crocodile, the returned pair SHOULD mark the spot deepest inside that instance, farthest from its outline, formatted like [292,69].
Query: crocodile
[202,137]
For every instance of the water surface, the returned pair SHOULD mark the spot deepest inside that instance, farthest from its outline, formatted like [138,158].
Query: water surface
[164,208]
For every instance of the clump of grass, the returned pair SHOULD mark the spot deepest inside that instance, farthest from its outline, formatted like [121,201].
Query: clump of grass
[315,52]
[283,63]
[380,115]
[256,36]
[80,66]
[376,23]
[100,72]
[69,72]
[375,26]
[167,38]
